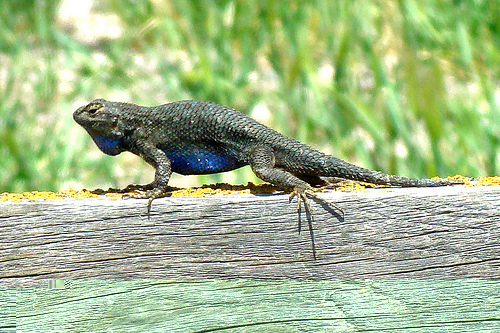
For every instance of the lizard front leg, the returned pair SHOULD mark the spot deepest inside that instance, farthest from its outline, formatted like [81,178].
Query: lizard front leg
[163,170]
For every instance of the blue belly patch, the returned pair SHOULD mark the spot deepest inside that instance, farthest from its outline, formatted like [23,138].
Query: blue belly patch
[201,161]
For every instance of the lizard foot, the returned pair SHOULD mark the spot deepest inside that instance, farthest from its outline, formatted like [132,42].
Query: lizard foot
[137,187]
[302,193]
[312,194]
[145,194]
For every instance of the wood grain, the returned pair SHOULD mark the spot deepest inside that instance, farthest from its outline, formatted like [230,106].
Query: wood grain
[257,306]
[420,233]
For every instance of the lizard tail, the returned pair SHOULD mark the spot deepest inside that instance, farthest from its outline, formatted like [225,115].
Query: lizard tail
[343,169]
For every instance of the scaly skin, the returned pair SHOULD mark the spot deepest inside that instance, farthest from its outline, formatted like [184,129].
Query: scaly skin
[197,137]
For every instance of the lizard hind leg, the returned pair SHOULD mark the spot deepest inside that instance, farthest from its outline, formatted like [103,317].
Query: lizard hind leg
[262,162]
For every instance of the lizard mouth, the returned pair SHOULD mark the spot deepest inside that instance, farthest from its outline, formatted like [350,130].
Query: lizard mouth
[77,115]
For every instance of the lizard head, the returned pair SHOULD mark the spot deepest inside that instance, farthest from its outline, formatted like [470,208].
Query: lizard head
[101,119]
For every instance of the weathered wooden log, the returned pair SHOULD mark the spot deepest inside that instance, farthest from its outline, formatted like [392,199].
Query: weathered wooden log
[397,233]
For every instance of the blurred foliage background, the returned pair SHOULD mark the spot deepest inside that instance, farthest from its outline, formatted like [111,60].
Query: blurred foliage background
[409,87]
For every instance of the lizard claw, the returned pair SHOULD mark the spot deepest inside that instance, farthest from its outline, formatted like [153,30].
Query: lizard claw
[312,194]
[302,193]
[145,194]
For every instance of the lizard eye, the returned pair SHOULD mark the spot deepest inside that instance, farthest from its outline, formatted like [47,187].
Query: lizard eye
[92,108]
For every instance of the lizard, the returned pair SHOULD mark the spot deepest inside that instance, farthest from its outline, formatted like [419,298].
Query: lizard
[200,137]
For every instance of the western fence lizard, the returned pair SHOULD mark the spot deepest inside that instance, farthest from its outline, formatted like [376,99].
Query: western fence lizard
[198,137]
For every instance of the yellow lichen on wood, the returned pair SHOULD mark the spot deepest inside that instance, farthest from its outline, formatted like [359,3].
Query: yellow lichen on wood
[219,188]
[459,178]
[47,195]
[115,194]
[485,181]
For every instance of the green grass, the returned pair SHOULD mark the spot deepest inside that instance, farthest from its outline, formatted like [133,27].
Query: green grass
[407,87]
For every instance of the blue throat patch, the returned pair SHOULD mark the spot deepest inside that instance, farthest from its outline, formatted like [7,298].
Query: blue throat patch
[107,145]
